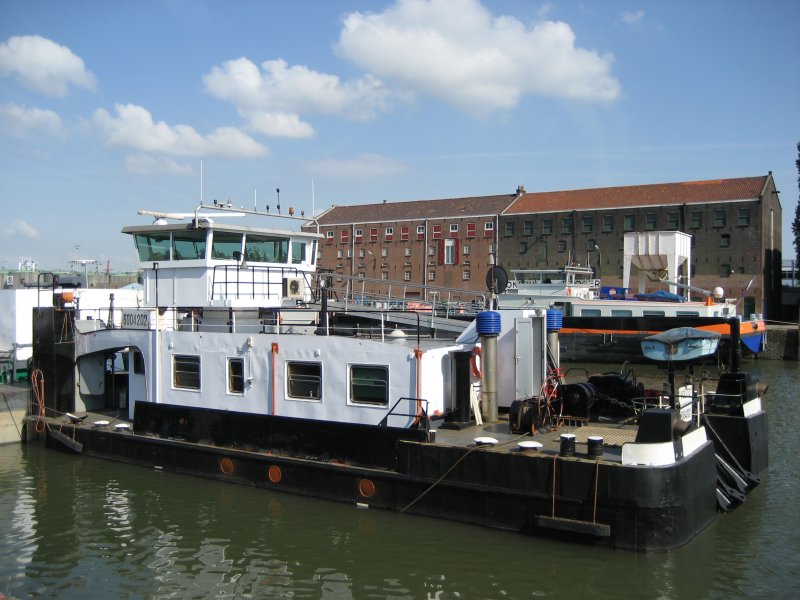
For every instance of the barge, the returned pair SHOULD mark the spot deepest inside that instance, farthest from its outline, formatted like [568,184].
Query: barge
[231,369]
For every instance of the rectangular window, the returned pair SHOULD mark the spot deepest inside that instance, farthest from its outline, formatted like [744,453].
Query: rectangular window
[384,252]
[471,230]
[389,234]
[369,384]
[344,236]
[562,245]
[566,225]
[262,248]
[652,313]
[349,253]
[359,235]
[508,228]
[304,380]
[437,232]
[650,221]
[431,275]
[673,219]
[407,276]
[223,245]
[373,234]
[186,371]
[408,251]
[621,313]
[153,246]
[453,229]
[236,376]
[608,223]
[725,270]
[547,226]
[488,229]
[527,227]
[744,217]
[523,247]
[589,312]
[385,275]
[465,275]
[431,250]
[695,219]
[329,237]
[725,240]
[404,234]
[467,249]
[189,245]
[629,223]
[719,217]
[587,224]
[340,254]
[450,252]
[361,253]
[298,253]
[420,232]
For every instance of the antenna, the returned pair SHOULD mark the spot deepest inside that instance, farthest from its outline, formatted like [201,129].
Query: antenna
[278,190]
[255,200]
[201,181]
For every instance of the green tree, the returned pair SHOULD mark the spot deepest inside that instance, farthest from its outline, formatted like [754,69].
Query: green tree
[796,222]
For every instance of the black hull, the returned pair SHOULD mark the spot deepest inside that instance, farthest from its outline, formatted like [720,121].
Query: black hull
[604,503]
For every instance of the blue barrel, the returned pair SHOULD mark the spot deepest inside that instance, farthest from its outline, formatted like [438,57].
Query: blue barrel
[554,319]
[488,322]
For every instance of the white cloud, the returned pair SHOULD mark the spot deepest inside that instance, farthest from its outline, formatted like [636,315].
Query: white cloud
[43,66]
[143,164]
[20,228]
[457,51]
[18,120]
[133,127]
[364,166]
[273,98]
[634,20]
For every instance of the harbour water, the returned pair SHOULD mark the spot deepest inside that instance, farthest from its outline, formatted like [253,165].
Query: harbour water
[76,528]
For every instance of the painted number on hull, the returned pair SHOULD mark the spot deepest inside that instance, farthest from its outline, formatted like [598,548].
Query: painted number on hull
[136,319]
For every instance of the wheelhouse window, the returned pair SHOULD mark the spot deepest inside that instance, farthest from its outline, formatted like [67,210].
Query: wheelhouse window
[186,371]
[268,249]
[188,245]
[304,380]
[236,376]
[223,245]
[298,253]
[369,384]
[152,246]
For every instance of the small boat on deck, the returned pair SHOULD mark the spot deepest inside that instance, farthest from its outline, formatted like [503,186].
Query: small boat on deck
[232,368]
[682,344]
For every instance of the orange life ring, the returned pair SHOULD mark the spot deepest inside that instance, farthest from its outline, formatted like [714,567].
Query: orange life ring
[476,352]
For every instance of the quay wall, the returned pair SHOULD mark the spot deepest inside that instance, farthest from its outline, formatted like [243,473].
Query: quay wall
[783,343]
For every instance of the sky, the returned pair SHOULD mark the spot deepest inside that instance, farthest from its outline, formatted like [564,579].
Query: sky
[108,108]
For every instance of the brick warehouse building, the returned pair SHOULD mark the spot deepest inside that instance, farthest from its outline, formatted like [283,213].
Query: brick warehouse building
[735,226]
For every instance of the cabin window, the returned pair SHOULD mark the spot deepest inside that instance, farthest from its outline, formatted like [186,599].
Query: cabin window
[186,372]
[653,313]
[687,313]
[223,245]
[260,248]
[188,245]
[298,252]
[621,313]
[152,246]
[138,363]
[589,312]
[369,384]
[304,380]
[236,375]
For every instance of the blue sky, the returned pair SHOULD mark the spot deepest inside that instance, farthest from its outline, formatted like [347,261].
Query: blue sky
[107,108]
